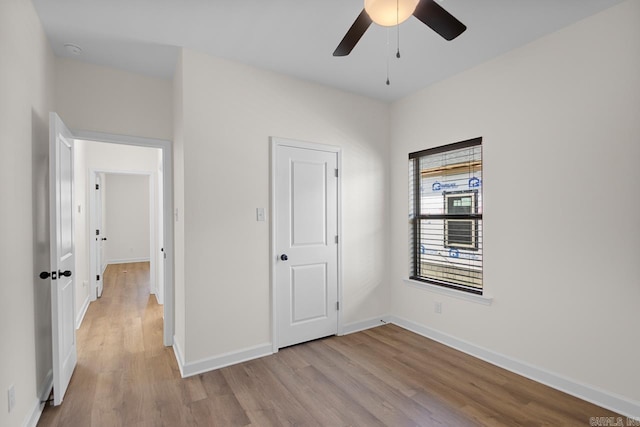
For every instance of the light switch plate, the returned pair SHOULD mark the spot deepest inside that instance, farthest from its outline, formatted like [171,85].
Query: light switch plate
[11,394]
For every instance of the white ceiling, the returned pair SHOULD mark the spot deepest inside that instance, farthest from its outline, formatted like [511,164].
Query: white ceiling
[298,37]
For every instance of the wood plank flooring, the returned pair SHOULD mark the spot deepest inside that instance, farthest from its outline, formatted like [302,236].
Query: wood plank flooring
[385,376]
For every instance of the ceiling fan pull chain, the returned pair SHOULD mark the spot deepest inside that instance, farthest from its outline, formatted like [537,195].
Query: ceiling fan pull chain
[398,26]
[387,55]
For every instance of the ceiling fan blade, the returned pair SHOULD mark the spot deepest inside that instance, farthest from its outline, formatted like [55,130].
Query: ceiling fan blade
[354,34]
[438,19]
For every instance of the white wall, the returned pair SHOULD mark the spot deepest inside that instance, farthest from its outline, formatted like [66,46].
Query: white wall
[127,218]
[102,99]
[559,118]
[228,113]
[81,224]
[178,206]
[26,97]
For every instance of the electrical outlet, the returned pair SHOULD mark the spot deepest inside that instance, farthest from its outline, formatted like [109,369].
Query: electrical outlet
[11,393]
[437,307]
[260,216]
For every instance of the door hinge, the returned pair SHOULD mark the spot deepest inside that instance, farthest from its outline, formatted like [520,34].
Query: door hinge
[336,239]
[336,172]
[97,186]
[97,232]
[97,277]
[338,305]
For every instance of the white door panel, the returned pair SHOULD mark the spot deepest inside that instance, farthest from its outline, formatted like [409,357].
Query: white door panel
[309,293]
[308,203]
[67,306]
[62,255]
[306,222]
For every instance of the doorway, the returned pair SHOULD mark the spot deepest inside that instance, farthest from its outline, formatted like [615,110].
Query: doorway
[125,210]
[306,244]
[162,254]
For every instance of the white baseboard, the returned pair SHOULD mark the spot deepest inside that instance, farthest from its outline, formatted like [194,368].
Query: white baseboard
[37,407]
[34,415]
[595,395]
[232,358]
[362,325]
[179,357]
[83,311]
[127,260]
[210,364]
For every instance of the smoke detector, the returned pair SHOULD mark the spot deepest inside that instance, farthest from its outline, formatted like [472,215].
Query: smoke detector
[73,48]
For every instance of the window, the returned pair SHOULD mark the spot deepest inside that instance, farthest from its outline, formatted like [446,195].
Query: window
[445,206]
[461,233]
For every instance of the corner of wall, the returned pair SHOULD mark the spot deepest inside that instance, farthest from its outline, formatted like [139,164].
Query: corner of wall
[178,204]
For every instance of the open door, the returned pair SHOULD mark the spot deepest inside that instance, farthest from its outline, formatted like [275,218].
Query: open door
[97,247]
[62,255]
[160,234]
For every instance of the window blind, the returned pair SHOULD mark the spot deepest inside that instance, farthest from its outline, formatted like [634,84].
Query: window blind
[445,215]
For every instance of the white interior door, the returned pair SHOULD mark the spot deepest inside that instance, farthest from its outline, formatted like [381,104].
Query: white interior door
[99,235]
[306,230]
[103,226]
[62,255]
[160,236]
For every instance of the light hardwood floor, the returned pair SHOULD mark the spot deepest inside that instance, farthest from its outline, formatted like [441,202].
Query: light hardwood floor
[385,376]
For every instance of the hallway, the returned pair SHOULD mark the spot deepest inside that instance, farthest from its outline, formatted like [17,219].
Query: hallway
[124,373]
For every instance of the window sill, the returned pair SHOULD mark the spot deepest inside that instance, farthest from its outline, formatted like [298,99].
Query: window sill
[480,299]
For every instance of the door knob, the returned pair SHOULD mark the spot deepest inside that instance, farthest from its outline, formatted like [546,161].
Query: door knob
[54,275]
[284,257]
[104,238]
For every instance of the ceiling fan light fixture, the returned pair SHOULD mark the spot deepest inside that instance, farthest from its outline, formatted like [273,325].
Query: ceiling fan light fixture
[390,12]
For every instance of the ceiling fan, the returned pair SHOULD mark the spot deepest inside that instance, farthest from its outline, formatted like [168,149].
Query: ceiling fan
[393,12]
